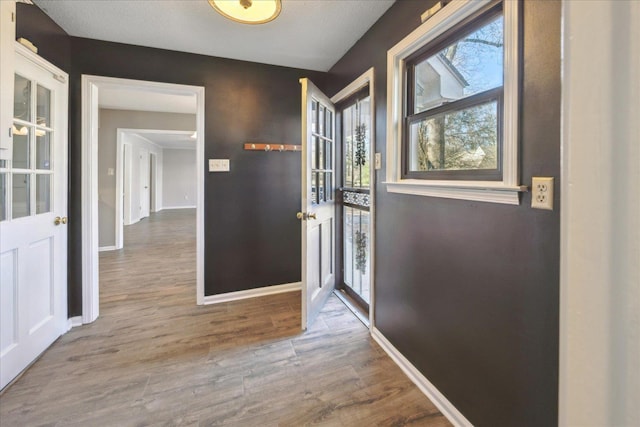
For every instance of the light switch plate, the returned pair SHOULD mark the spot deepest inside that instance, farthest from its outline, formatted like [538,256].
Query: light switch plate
[218,165]
[378,164]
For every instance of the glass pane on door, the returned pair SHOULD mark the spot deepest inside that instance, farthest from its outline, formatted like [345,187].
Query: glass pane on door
[22,98]
[43,193]
[21,151]
[3,196]
[21,199]
[43,106]
[43,149]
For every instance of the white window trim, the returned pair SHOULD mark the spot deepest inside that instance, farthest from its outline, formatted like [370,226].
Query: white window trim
[505,191]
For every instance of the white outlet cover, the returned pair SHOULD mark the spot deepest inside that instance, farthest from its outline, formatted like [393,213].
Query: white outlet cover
[542,193]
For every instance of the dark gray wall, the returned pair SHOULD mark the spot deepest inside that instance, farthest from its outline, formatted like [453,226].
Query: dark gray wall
[468,291]
[252,237]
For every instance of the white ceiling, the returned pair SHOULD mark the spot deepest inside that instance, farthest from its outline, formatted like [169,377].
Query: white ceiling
[129,99]
[309,34]
[169,139]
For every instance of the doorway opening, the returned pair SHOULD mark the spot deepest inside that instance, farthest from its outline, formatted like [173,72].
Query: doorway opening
[97,92]
[355,196]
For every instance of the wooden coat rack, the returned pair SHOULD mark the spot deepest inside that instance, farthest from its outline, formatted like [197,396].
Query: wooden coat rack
[271,147]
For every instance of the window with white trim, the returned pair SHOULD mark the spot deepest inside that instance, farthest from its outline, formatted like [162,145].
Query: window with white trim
[453,105]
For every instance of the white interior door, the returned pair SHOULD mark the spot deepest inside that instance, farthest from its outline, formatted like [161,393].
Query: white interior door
[145,183]
[33,206]
[317,214]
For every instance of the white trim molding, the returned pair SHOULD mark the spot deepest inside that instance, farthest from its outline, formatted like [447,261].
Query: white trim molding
[252,293]
[107,248]
[89,181]
[599,373]
[437,398]
[506,191]
[367,78]
[74,322]
[176,207]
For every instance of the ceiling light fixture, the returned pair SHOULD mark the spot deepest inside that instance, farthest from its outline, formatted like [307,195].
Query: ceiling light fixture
[248,11]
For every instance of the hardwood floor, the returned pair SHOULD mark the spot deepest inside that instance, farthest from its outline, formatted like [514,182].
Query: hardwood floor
[155,358]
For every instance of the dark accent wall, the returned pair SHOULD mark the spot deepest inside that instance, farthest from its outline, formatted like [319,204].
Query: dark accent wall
[52,41]
[469,291]
[252,237]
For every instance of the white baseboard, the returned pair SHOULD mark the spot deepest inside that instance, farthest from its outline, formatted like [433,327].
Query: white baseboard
[252,293]
[74,321]
[107,248]
[164,208]
[438,399]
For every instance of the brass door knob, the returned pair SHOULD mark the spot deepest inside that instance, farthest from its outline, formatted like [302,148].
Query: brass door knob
[60,220]
[305,216]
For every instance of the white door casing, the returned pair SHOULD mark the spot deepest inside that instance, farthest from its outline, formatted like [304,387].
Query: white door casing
[33,237]
[317,208]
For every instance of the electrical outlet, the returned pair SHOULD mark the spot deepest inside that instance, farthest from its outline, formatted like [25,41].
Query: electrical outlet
[378,164]
[542,193]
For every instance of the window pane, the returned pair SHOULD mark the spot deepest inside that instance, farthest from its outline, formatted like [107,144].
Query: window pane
[470,65]
[320,153]
[314,152]
[22,98]
[43,149]
[3,196]
[314,116]
[321,197]
[3,163]
[329,125]
[314,188]
[356,137]
[43,193]
[21,204]
[458,140]
[356,251]
[321,120]
[21,147]
[43,106]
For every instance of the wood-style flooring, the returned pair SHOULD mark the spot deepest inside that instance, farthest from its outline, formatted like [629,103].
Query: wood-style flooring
[155,358]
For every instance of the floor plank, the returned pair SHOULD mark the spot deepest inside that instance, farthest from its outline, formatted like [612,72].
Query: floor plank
[155,358]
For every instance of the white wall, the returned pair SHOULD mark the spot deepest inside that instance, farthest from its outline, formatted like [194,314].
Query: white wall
[178,178]
[600,217]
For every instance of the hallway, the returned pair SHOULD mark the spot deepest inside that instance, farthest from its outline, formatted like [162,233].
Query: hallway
[155,358]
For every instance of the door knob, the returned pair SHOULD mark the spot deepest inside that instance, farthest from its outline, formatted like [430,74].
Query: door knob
[57,220]
[305,216]
[63,219]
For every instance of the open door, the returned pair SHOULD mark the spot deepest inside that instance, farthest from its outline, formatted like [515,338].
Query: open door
[33,221]
[317,213]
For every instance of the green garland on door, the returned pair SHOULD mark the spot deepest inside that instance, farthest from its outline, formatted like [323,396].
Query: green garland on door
[361,136]
[361,251]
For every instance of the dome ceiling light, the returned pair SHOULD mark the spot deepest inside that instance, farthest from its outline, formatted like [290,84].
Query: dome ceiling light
[248,11]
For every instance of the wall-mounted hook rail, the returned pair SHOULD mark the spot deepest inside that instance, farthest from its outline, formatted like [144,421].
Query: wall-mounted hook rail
[271,147]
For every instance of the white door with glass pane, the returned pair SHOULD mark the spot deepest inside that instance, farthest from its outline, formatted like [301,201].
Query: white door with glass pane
[318,209]
[33,206]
